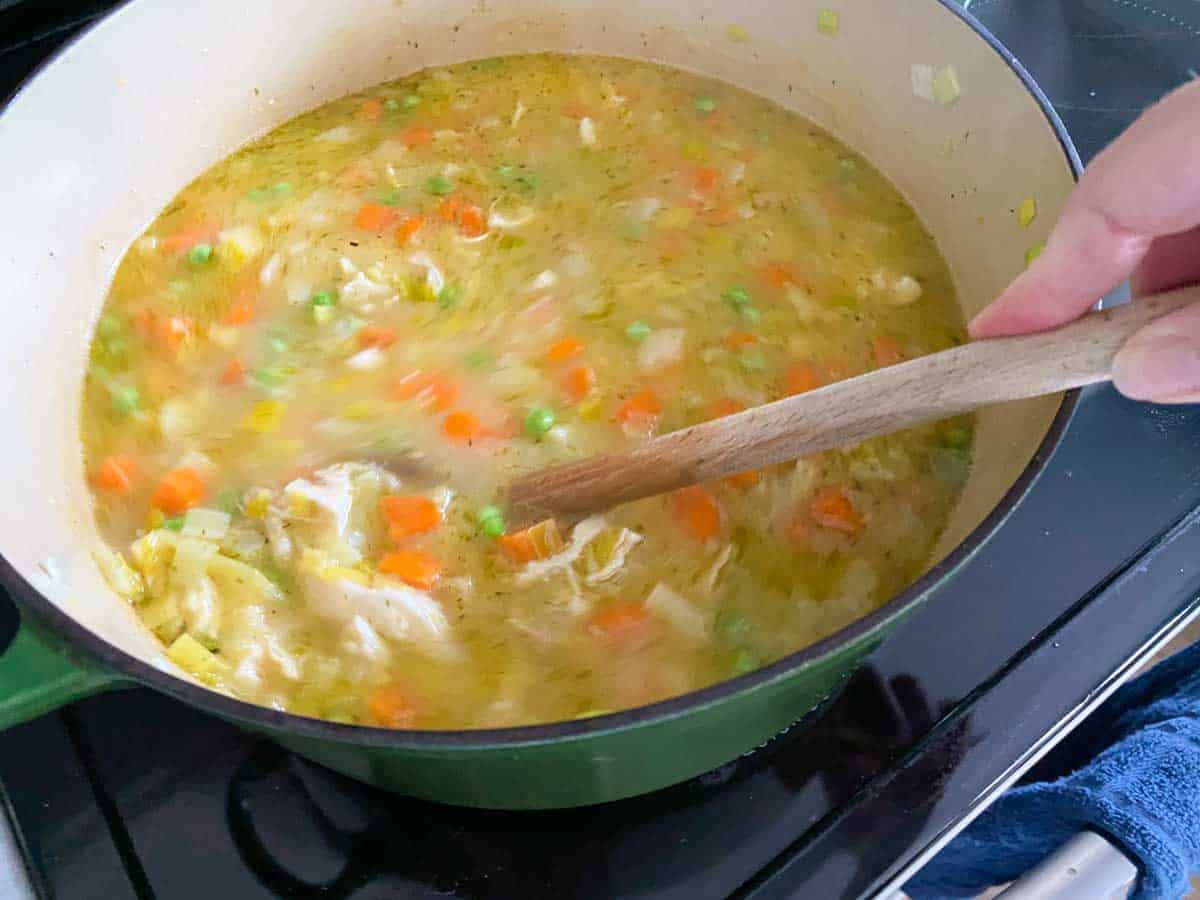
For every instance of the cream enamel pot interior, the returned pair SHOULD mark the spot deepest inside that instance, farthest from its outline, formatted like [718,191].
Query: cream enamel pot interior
[102,138]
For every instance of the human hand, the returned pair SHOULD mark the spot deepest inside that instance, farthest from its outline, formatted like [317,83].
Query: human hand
[1135,214]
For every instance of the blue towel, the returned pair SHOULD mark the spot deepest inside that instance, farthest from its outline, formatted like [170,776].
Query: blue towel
[1141,789]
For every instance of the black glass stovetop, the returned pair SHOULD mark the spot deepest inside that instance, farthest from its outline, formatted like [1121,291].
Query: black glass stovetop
[132,795]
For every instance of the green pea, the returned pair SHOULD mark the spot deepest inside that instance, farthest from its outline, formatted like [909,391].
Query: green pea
[449,296]
[391,104]
[738,296]
[539,421]
[412,101]
[175,523]
[749,313]
[125,399]
[270,376]
[321,298]
[200,254]
[391,198]
[491,521]
[705,104]
[439,185]
[637,331]
[744,662]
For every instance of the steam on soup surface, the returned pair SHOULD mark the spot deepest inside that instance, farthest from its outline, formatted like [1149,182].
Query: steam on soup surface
[320,363]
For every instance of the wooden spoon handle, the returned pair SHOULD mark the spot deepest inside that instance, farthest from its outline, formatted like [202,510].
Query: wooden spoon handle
[881,402]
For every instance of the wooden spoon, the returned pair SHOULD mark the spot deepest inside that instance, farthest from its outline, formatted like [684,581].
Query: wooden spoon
[931,387]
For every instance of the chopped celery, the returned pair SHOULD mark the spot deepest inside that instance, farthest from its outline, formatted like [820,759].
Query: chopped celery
[192,656]
[705,104]
[200,254]
[1027,211]
[945,85]
[1034,252]
[439,185]
[828,22]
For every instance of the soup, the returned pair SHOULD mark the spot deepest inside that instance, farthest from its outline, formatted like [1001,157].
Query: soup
[319,366]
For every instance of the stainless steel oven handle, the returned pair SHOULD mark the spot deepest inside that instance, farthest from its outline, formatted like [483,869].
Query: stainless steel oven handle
[1087,867]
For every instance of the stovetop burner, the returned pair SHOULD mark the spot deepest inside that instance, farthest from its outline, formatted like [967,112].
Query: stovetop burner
[133,795]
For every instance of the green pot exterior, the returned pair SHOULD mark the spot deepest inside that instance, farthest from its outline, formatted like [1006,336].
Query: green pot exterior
[603,765]
[619,756]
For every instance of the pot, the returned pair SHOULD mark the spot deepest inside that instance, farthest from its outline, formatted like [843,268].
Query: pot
[104,135]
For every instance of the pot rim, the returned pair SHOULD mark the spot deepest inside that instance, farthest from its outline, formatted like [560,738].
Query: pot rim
[244,712]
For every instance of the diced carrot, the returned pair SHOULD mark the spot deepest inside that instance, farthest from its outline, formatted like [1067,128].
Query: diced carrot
[376,336]
[178,491]
[462,426]
[705,179]
[519,546]
[778,275]
[416,136]
[143,323]
[234,373]
[726,406]
[391,707]
[697,512]
[578,382]
[801,377]
[372,110]
[374,217]
[561,351]
[640,407]
[116,474]
[471,221]
[886,351]
[736,340]
[435,391]
[408,226]
[723,215]
[535,542]
[622,623]
[421,570]
[172,330]
[241,313]
[187,238]
[448,209]
[745,479]
[831,508]
[409,515]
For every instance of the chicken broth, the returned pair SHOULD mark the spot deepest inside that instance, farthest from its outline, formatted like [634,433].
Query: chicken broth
[318,367]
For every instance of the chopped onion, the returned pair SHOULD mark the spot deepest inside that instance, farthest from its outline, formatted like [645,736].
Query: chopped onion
[587,131]
[661,348]
[210,524]
[364,360]
[676,610]
[339,135]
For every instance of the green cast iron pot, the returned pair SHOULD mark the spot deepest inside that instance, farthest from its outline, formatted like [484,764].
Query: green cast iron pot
[164,90]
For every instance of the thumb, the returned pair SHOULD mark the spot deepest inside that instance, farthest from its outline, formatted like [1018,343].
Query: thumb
[1162,361]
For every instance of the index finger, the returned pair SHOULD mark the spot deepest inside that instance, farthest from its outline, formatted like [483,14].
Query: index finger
[1144,185]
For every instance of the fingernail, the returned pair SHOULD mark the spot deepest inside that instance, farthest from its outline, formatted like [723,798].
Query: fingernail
[1158,368]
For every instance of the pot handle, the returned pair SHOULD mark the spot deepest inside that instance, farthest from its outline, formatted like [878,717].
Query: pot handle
[36,677]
